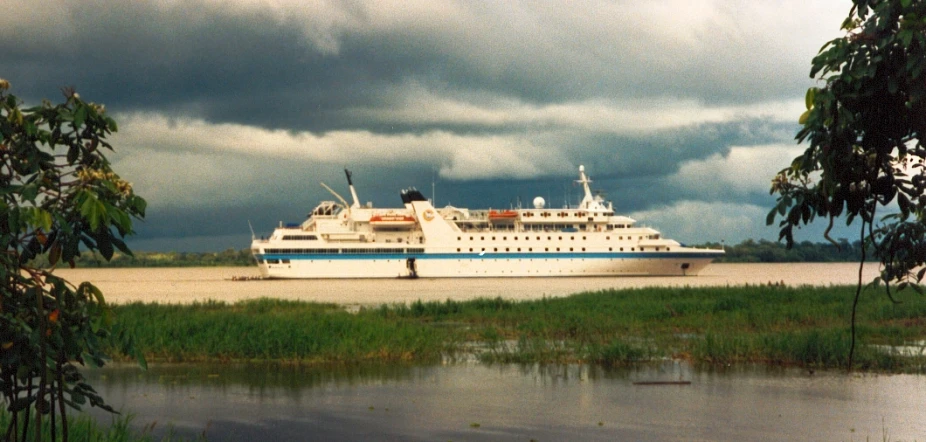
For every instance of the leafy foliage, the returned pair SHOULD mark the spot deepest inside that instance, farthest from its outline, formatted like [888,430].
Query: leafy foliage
[58,194]
[864,129]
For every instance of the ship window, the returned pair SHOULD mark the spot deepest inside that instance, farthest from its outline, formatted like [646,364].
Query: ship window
[505,238]
[610,249]
[632,250]
[516,238]
[621,238]
[482,238]
[607,237]
[557,249]
[583,249]
[458,238]
[506,249]
[561,238]
[458,249]
[495,249]
[546,249]
[570,249]
[273,261]
[667,249]
[493,238]
[622,249]
[285,261]
[583,238]
[470,249]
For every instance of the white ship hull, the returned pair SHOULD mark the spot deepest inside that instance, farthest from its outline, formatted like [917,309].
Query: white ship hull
[341,241]
[489,267]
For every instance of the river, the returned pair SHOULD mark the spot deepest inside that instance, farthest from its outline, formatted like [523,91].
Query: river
[472,401]
[185,285]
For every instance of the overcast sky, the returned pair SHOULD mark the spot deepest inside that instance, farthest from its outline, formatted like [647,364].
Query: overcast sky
[235,110]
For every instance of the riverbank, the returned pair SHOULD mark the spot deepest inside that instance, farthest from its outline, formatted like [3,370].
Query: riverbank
[768,324]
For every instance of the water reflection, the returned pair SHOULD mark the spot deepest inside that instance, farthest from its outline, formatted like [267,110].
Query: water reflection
[515,402]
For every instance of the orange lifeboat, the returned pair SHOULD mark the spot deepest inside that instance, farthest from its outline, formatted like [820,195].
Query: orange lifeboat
[502,215]
[392,221]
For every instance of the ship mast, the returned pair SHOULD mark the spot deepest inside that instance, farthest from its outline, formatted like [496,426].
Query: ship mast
[588,201]
[353,192]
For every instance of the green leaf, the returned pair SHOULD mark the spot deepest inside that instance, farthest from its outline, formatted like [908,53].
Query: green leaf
[92,291]
[54,254]
[73,153]
[803,118]
[770,218]
[29,192]
[121,221]
[808,98]
[94,211]
[104,244]
[121,246]
[80,115]
[40,218]
[139,204]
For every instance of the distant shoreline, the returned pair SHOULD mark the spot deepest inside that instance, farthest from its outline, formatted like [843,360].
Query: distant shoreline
[749,251]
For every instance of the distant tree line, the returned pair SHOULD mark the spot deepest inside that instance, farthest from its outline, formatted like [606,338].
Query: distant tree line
[227,258]
[806,251]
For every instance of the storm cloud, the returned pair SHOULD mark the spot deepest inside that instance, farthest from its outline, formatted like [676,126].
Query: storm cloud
[235,110]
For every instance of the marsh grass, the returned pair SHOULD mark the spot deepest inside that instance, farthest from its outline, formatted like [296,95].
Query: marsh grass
[83,427]
[802,326]
[269,329]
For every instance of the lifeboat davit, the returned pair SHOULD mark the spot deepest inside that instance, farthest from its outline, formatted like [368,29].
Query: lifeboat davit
[390,221]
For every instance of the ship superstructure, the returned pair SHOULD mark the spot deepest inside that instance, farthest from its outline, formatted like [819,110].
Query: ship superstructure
[350,240]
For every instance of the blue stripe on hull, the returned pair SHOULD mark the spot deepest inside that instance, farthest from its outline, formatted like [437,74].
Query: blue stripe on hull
[487,255]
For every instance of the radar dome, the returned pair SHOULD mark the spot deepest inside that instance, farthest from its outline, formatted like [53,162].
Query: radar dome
[539,202]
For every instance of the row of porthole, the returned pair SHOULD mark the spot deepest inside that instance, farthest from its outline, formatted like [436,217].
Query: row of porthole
[549,238]
[547,249]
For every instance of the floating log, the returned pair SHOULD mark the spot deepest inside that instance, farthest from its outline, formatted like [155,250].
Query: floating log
[245,278]
[662,383]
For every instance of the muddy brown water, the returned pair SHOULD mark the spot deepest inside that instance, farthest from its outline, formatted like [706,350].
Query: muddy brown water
[185,285]
[471,401]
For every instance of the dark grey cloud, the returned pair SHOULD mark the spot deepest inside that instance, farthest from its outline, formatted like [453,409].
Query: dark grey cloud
[253,66]
[235,110]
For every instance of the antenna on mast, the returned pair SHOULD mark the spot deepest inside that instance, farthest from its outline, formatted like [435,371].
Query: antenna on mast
[353,192]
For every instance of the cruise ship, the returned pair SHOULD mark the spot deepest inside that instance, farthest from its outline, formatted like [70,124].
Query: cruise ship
[350,240]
